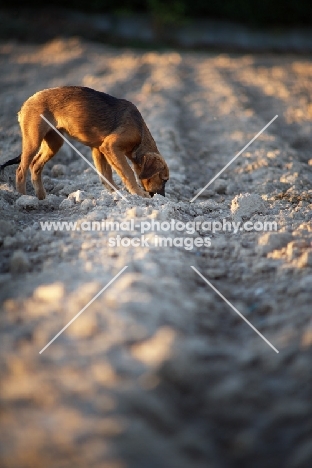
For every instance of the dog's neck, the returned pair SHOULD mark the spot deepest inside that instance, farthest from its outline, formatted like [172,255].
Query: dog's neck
[147,145]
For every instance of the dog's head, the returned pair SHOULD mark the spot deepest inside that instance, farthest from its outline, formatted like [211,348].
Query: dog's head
[153,173]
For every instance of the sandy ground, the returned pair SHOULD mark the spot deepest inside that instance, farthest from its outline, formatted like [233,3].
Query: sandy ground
[159,371]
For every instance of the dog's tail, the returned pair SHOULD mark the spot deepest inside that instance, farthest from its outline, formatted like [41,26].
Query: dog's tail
[16,160]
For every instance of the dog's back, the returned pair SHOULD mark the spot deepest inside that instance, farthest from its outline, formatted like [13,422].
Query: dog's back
[72,108]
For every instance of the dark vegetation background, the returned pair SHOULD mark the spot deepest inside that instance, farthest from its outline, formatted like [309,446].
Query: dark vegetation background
[250,12]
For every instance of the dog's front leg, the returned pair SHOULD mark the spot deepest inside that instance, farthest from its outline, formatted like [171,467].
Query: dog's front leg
[103,168]
[114,149]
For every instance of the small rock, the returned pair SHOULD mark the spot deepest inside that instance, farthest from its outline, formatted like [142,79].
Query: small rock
[305,260]
[220,186]
[154,214]
[58,170]
[86,204]
[9,241]
[295,248]
[158,198]
[243,206]
[273,241]
[4,205]
[135,211]
[64,189]
[51,201]
[19,262]
[291,251]
[231,188]
[199,211]
[78,196]
[27,202]
[263,266]
[306,284]
[50,292]
[67,203]
[6,229]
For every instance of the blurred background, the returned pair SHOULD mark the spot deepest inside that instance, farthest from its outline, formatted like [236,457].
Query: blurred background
[282,25]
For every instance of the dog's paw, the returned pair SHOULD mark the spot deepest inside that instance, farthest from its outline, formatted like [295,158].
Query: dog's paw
[141,193]
[145,194]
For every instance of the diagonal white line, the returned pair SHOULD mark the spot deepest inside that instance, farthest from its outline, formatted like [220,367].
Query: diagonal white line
[83,157]
[234,308]
[83,309]
[233,159]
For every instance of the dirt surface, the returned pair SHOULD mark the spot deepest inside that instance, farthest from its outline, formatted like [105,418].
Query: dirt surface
[159,371]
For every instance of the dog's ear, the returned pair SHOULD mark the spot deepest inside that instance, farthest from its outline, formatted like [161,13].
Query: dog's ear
[152,163]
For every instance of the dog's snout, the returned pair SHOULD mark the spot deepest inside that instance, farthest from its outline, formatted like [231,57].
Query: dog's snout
[161,192]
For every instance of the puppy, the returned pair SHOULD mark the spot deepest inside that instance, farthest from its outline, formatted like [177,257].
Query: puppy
[113,128]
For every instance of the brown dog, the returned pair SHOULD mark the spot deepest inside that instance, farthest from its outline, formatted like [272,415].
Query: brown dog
[113,128]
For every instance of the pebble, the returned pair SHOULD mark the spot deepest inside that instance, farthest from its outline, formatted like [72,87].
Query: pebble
[19,262]
[51,200]
[6,229]
[9,241]
[273,241]
[305,260]
[78,196]
[27,202]
[231,188]
[58,170]
[306,283]
[67,203]
[135,211]
[243,206]
[86,204]
[220,186]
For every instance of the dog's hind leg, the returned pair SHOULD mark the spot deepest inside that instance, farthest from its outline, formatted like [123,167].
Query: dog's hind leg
[50,145]
[33,132]
[104,168]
